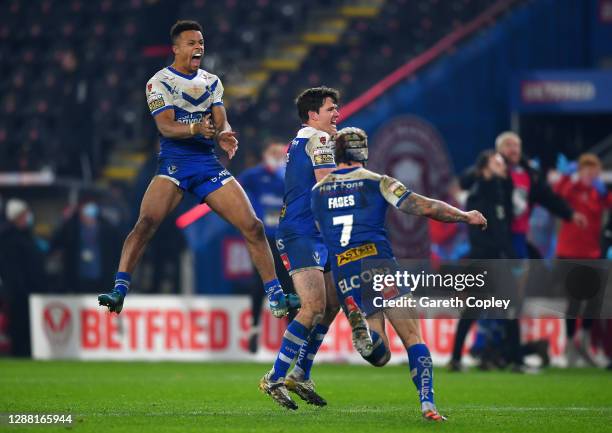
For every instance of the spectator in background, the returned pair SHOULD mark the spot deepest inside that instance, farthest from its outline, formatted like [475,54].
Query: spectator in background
[21,270]
[265,186]
[74,129]
[89,246]
[585,191]
[491,194]
[500,340]
[529,187]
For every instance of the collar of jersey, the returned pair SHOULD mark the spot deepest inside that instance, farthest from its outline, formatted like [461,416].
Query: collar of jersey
[180,74]
[345,170]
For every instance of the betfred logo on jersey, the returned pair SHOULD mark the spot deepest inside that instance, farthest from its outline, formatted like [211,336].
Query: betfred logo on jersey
[356,253]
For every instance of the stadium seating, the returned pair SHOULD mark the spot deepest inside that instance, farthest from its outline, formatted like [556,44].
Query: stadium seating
[76,68]
[368,50]
[64,102]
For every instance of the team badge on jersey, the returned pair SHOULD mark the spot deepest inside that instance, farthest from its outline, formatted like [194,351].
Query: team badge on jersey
[324,158]
[356,253]
[155,102]
[399,190]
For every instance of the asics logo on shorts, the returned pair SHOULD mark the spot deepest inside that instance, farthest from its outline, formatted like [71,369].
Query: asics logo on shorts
[220,175]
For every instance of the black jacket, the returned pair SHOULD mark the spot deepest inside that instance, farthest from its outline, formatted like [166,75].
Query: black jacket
[540,192]
[22,267]
[493,198]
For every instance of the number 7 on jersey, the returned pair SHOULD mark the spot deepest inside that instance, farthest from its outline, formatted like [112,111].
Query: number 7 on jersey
[347,228]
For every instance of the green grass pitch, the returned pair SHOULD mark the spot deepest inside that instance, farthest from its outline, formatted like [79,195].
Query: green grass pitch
[223,397]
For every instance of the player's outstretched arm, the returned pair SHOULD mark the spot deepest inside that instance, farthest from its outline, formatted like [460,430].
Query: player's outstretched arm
[225,136]
[170,128]
[416,204]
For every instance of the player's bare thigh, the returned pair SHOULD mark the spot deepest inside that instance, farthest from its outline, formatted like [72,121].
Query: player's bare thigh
[310,287]
[160,198]
[232,204]
[406,324]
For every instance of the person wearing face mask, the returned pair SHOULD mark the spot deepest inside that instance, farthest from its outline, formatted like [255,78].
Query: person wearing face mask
[586,192]
[529,188]
[88,245]
[492,194]
[22,271]
[264,184]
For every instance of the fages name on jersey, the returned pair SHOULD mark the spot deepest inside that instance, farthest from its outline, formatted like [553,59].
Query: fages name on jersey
[350,206]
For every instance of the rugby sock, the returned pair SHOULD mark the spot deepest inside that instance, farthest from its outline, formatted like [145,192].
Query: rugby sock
[271,284]
[295,336]
[421,370]
[308,351]
[122,282]
[379,353]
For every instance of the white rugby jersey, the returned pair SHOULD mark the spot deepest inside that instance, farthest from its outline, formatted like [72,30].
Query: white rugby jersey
[191,97]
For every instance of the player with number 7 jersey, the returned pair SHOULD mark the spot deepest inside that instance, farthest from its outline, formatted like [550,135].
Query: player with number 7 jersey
[349,206]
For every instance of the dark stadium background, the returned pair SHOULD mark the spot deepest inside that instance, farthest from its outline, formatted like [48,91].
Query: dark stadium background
[445,77]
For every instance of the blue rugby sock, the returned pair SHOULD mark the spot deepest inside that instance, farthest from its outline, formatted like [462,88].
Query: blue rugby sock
[271,284]
[295,336]
[122,282]
[380,352]
[308,351]
[421,370]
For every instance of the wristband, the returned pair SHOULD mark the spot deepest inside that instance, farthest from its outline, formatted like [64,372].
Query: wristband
[191,127]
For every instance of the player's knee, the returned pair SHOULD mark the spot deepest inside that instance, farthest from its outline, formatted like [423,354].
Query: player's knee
[317,318]
[313,312]
[331,310]
[308,317]
[317,309]
[254,229]
[146,226]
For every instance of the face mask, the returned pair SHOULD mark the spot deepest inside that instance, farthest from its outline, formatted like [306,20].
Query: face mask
[90,210]
[275,165]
